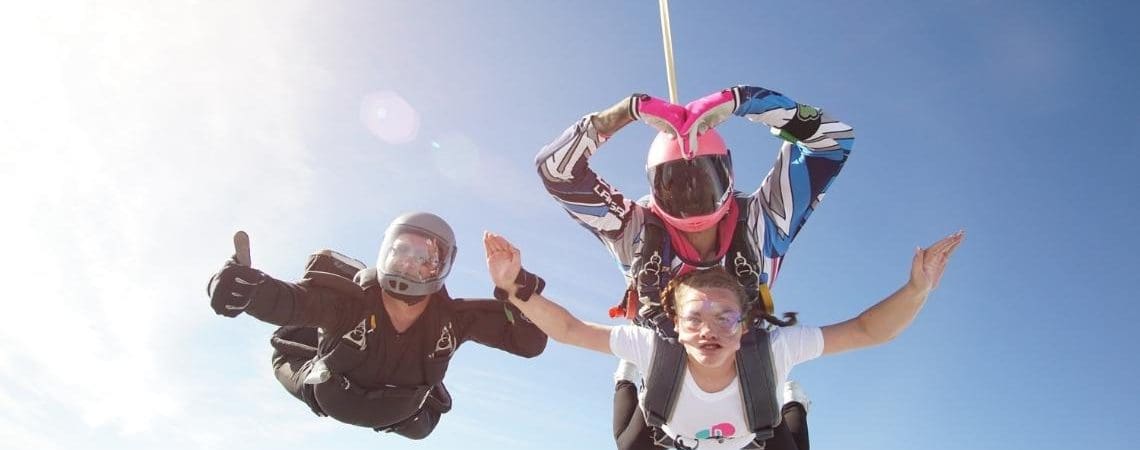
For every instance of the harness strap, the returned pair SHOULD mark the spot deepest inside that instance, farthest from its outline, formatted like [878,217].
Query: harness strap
[663,385]
[743,260]
[758,384]
[666,374]
[651,269]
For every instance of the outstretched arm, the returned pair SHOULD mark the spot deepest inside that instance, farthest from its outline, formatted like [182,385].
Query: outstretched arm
[494,324]
[892,315]
[239,288]
[504,263]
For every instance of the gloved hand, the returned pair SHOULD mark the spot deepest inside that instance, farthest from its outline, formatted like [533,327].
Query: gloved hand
[660,114]
[711,110]
[233,287]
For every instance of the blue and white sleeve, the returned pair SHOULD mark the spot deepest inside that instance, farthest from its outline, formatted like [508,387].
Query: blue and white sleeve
[815,148]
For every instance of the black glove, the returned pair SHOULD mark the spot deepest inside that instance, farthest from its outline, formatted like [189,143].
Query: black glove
[233,287]
[802,126]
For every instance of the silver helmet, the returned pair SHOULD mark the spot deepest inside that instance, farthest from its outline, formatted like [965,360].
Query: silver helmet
[416,256]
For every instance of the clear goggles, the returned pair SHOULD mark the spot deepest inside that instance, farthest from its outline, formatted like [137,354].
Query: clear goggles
[695,315]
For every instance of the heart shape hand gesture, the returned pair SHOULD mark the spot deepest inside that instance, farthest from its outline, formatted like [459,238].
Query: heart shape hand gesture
[689,122]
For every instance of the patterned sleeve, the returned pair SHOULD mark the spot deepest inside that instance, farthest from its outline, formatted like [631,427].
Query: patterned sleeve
[597,206]
[816,147]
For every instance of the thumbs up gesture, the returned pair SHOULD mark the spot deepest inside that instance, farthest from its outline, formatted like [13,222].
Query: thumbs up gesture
[232,289]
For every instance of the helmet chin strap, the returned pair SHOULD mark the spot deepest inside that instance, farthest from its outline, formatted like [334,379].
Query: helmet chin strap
[410,300]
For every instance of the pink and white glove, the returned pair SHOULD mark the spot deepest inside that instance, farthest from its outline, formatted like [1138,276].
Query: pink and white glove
[689,122]
[711,110]
[660,114]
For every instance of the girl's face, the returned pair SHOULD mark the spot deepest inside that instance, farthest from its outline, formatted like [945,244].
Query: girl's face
[709,324]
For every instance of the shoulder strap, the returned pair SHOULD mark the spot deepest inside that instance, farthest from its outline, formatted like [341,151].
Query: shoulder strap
[743,260]
[439,332]
[651,270]
[758,383]
[663,384]
[649,266]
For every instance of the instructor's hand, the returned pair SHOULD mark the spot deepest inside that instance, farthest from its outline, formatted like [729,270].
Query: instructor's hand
[660,114]
[711,110]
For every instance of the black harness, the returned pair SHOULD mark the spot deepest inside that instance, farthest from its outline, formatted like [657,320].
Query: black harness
[652,271]
[651,268]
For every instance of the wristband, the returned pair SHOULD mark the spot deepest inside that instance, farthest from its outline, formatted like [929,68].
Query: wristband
[528,284]
[804,123]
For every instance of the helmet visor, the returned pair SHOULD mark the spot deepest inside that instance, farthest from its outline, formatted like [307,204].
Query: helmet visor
[692,188]
[415,255]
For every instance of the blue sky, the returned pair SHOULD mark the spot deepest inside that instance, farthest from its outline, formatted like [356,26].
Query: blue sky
[138,137]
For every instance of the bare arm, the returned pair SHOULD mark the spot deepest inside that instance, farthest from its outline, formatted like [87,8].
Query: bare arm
[876,325]
[888,318]
[504,263]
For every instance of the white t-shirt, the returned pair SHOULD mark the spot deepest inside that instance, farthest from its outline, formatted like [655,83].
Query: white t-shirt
[716,419]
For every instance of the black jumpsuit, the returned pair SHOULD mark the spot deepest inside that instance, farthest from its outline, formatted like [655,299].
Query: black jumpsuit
[380,379]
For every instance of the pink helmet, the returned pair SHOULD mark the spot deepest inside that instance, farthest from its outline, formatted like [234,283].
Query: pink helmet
[691,188]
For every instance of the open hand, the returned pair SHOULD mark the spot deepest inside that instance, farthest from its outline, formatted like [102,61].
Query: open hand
[929,263]
[503,261]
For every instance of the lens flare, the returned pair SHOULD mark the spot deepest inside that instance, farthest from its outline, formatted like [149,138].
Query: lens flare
[457,157]
[388,116]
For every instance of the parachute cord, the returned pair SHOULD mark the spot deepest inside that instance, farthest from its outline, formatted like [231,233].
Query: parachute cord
[667,38]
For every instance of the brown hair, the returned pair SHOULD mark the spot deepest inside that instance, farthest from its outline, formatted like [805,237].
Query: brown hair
[718,277]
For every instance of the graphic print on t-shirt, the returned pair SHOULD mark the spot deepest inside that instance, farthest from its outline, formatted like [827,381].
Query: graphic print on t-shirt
[689,426]
[718,431]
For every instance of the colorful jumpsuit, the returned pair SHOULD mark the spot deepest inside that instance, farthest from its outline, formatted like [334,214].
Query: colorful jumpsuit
[775,212]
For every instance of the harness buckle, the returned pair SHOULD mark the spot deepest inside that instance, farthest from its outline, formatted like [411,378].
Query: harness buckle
[742,267]
[652,268]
